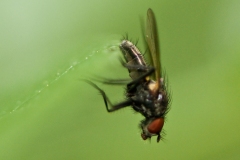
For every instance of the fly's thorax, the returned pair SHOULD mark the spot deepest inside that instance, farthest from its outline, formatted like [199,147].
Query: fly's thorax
[152,127]
[147,103]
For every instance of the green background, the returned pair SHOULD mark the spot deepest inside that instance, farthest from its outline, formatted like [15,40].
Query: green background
[46,47]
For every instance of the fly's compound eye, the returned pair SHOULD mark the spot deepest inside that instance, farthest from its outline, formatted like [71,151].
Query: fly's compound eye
[156,126]
[153,128]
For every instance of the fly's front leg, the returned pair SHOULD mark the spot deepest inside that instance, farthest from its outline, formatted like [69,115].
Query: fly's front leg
[107,101]
[133,84]
[139,68]
[140,78]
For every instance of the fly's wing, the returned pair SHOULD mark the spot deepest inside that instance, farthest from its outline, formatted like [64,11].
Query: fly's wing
[152,41]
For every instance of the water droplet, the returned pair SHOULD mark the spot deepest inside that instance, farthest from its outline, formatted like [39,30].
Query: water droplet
[46,83]
[74,63]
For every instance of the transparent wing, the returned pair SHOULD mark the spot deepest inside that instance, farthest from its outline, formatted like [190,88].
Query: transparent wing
[152,41]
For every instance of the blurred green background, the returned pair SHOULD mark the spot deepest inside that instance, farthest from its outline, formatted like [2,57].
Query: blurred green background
[46,112]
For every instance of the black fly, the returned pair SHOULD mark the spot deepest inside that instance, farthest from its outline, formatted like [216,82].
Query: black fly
[146,96]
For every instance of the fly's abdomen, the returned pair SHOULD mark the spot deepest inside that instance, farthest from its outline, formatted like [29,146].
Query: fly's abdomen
[134,59]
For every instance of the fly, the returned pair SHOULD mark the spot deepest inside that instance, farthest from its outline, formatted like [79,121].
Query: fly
[145,95]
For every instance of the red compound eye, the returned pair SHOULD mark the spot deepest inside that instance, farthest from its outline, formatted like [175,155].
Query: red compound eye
[156,126]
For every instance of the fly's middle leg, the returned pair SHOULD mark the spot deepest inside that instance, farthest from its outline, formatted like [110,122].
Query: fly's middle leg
[115,107]
[133,84]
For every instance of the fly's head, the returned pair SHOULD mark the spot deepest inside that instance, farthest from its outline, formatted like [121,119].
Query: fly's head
[152,127]
[157,108]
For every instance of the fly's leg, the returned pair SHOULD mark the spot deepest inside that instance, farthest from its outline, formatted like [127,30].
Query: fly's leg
[140,78]
[133,84]
[140,68]
[113,81]
[148,71]
[107,101]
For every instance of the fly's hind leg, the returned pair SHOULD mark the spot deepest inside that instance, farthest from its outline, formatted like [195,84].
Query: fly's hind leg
[143,76]
[140,68]
[147,71]
[107,101]
[112,81]
[131,87]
